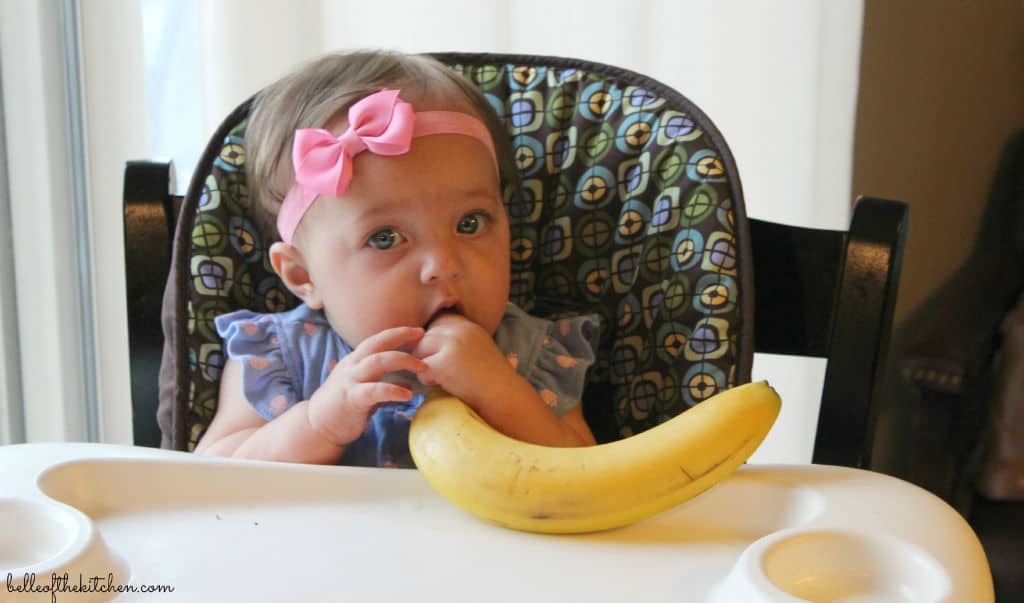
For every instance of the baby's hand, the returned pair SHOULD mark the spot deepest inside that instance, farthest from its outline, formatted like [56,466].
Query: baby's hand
[341,406]
[462,358]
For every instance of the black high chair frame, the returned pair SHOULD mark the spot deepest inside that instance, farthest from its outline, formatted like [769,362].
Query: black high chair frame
[818,293]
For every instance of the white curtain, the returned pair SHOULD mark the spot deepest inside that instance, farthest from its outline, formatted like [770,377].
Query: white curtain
[779,79]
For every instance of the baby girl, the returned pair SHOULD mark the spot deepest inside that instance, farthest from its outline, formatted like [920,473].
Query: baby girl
[379,176]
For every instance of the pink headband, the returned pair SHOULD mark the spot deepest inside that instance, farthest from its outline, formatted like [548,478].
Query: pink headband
[381,123]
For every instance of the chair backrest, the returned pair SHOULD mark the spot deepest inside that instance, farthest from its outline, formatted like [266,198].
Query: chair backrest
[831,294]
[631,207]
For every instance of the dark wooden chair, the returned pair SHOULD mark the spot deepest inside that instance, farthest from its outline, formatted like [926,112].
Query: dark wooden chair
[150,211]
[956,360]
[830,294]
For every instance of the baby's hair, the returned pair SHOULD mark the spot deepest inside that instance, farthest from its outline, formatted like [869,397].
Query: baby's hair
[313,95]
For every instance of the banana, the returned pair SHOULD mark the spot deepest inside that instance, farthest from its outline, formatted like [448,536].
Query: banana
[567,490]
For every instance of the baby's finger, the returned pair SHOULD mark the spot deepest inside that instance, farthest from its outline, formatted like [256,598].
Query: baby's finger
[388,339]
[435,369]
[374,366]
[429,345]
[427,379]
[449,318]
[366,396]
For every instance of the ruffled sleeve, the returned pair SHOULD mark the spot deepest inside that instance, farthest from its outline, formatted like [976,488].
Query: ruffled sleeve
[553,356]
[254,341]
[566,351]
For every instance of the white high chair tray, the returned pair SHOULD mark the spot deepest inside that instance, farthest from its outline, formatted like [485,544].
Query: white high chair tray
[223,530]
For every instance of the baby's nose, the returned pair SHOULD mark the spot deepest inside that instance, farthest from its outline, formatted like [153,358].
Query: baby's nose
[441,263]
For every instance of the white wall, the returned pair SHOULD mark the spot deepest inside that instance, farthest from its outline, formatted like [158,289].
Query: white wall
[779,79]
[116,111]
[758,69]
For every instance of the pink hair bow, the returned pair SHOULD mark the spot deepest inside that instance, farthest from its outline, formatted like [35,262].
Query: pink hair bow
[380,123]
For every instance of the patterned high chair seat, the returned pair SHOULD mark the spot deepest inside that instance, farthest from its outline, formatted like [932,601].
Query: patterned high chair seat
[630,207]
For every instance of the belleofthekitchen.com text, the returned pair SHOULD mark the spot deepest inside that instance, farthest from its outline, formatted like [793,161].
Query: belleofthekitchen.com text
[59,584]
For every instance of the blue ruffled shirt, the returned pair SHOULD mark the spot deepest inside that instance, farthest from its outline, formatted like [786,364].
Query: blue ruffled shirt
[285,357]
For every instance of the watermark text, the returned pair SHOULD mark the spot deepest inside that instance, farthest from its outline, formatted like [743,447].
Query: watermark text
[55,584]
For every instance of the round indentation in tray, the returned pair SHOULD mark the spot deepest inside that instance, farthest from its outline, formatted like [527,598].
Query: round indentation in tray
[33,532]
[743,510]
[838,566]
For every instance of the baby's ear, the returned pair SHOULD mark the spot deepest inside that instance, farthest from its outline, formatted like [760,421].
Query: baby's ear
[289,264]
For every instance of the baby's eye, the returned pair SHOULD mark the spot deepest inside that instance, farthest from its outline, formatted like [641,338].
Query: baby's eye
[472,223]
[385,238]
